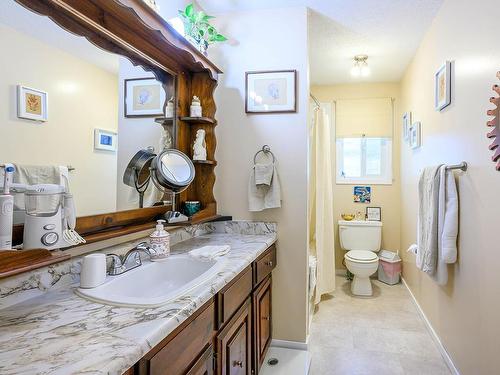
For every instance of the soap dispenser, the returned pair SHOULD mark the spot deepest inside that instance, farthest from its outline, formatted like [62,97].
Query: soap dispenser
[160,241]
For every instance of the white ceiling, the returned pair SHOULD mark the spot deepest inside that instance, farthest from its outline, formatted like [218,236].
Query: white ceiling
[388,31]
[45,30]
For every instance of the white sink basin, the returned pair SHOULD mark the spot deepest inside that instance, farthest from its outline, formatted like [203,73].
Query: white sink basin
[154,283]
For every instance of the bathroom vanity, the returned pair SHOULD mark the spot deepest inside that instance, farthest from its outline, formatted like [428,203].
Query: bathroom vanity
[229,334]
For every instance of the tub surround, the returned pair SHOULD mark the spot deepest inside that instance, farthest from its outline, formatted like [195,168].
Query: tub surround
[50,329]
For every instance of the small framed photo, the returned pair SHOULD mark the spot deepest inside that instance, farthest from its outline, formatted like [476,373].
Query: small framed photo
[32,104]
[442,82]
[415,135]
[105,140]
[362,194]
[406,125]
[271,91]
[144,97]
[373,213]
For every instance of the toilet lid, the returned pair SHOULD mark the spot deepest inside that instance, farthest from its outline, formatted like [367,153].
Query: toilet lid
[362,255]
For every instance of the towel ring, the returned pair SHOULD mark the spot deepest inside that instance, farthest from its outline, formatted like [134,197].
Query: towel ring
[266,150]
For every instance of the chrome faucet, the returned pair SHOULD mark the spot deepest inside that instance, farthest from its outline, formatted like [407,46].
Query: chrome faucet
[131,260]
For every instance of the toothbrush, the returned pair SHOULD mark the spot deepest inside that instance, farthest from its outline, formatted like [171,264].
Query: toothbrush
[6,209]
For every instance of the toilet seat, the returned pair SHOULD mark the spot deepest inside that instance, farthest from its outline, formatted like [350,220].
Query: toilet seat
[361,256]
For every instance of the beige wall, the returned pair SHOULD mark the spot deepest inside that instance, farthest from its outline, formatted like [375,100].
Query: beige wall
[81,97]
[384,196]
[277,41]
[466,312]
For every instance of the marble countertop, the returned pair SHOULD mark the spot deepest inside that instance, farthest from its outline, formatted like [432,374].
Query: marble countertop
[61,333]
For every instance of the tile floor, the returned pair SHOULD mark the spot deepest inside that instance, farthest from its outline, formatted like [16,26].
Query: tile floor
[381,335]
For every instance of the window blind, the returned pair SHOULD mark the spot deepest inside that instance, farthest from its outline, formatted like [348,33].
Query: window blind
[369,117]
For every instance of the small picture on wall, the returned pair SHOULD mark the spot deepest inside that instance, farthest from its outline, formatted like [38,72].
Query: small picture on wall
[271,91]
[32,104]
[415,135]
[144,97]
[406,125]
[105,140]
[373,213]
[443,86]
[362,194]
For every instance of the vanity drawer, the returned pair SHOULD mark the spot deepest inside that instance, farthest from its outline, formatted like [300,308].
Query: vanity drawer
[264,265]
[177,355]
[232,296]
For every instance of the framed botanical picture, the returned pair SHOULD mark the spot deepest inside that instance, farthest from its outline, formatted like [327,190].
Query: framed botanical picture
[362,194]
[373,213]
[105,140]
[32,104]
[415,135]
[406,125]
[442,82]
[144,97]
[271,91]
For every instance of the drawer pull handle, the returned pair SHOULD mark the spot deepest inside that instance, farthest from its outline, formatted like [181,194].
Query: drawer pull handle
[238,364]
[270,263]
[265,318]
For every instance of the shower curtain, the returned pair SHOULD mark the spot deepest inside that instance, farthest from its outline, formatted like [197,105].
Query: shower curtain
[321,220]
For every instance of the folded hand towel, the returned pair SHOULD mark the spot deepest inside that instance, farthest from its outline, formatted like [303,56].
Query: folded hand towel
[263,174]
[210,252]
[261,197]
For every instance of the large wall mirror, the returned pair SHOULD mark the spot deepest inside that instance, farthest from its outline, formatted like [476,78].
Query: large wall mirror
[72,111]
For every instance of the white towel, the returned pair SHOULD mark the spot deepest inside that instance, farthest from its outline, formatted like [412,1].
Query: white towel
[34,175]
[264,174]
[447,224]
[210,252]
[262,197]
[427,237]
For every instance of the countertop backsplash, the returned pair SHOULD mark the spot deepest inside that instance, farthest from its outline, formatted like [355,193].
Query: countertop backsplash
[31,284]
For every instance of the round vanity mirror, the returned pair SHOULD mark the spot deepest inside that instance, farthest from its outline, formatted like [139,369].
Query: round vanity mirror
[173,170]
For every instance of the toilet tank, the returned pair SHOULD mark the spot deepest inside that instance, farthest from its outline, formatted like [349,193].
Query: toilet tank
[360,235]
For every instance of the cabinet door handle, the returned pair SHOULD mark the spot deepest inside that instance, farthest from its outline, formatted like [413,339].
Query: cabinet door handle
[270,263]
[238,364]
[265,318]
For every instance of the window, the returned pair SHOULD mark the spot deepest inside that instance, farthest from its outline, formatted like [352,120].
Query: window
[364,160]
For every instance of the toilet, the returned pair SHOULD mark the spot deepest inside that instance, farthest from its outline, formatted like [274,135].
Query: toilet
[361,240]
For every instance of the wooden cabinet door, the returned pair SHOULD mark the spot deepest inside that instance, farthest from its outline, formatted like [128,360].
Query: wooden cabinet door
[262,321]
[204,365]
[234,344]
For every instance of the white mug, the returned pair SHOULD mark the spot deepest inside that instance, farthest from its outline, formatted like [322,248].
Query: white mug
[93,271]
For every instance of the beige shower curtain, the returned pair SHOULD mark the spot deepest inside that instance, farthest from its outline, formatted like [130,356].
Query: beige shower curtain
[321,220]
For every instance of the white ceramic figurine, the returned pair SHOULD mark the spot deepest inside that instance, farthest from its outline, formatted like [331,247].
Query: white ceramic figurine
[200,147]
[196,110]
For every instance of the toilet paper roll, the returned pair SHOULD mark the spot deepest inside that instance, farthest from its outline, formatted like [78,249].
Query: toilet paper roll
[93,271]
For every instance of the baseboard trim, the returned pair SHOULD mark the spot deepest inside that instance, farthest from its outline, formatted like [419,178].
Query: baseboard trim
[298,345]
[434,335]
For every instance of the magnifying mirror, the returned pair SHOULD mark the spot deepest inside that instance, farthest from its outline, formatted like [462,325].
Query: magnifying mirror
[174,171]
[137,174]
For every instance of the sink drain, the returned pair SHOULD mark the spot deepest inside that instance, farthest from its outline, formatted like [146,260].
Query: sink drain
[272,361]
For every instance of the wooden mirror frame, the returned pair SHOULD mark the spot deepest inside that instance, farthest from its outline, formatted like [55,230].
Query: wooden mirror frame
[132,29]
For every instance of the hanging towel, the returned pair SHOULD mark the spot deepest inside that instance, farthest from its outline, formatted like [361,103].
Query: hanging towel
[34,175]
[262,197]
[427,241]
[438,223]
[264,174]
[447,224]
[208,253]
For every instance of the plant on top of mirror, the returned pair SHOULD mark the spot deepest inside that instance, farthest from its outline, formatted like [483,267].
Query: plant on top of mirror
[198,28]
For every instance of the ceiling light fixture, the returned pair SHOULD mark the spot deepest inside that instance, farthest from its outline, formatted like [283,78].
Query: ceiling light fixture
[360,67]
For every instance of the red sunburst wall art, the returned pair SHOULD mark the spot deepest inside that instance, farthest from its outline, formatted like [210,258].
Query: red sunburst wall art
[495,124]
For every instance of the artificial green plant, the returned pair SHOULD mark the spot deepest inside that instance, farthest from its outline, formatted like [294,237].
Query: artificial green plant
[198,27]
